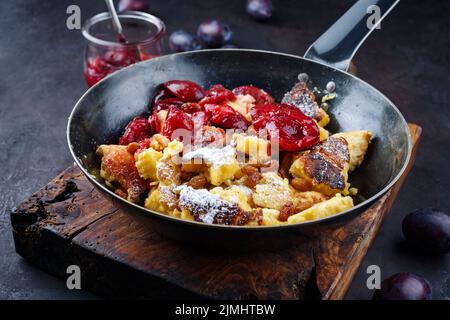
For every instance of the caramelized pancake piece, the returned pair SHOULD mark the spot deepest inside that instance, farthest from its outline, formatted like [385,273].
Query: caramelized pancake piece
[221,163]
[304,200]
[146,163]
[323,209]
[168,172]
[168,197]
[167,168]
[118,166]
[325,166]
[286,160]
[159,142]
[332,206]
[236,195]
[358,142]
[157,200]
[272,192]
[323,133]
[210,208]
[301,201]
[335,149]
[323,119]
[257,149]
[304,99]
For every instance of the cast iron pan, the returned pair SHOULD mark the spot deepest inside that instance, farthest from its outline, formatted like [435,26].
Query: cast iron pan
[104,110]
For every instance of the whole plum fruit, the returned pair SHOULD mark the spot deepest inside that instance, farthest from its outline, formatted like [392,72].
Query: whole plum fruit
[214,33]
[428,229]
[260,9]
[403,286]
[133,5]
[181,41]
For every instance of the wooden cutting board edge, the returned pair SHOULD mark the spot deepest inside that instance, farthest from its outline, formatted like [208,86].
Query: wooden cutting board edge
[334,288]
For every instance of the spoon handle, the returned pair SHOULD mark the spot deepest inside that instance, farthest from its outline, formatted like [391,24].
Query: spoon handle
[115,19]
[339,43]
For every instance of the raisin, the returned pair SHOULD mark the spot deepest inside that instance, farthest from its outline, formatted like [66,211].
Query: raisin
[253,176]
[197,182]
[286,211]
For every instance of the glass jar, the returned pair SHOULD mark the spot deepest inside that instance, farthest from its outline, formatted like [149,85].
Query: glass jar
[105,54]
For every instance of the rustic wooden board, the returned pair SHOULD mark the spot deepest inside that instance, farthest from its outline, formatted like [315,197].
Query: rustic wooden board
[120,255]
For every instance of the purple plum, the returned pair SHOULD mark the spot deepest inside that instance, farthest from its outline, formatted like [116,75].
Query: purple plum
[403,286]
[214,33]
[428,229]
[133,5]
[181,41]
[260,9]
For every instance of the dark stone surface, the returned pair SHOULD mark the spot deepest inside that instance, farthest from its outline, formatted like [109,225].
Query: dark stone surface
[41,79]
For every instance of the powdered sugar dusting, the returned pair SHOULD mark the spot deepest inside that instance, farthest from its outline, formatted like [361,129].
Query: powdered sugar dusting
[204,205]
[274,179]
[301,97]
[213,156]
[274,193]
[244,189]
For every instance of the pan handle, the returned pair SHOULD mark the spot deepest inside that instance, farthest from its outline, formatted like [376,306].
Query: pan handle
[340,42]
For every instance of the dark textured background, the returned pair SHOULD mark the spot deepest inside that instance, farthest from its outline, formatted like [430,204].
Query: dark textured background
[41,79]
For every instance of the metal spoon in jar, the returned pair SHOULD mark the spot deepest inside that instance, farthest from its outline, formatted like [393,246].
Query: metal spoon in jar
[115,21]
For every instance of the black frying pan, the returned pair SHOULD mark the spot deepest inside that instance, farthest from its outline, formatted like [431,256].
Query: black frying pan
[101,114]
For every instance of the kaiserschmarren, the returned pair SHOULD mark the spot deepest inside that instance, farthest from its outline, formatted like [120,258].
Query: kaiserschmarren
[235,157]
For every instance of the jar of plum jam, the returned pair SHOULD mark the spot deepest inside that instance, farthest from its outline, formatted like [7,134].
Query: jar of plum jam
[106,52]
